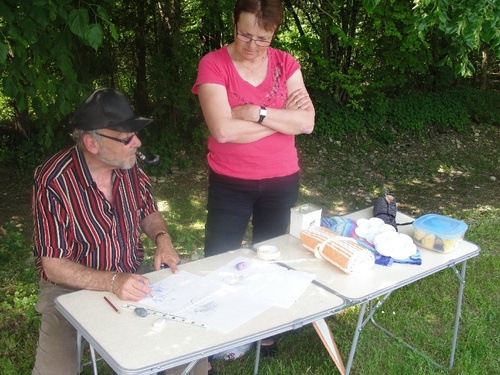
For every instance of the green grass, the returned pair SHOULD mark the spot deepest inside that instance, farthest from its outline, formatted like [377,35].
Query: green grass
[18,294]
[452,180]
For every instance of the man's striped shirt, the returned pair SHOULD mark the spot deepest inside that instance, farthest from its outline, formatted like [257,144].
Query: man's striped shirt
[73,220]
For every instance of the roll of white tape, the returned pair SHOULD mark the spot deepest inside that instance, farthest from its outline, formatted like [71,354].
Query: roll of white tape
[268,252]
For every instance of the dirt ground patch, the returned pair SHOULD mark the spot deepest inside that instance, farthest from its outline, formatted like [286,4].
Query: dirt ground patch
[435,172]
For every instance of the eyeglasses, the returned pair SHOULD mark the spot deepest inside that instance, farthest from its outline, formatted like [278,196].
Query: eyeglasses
[247,39]
[124,141]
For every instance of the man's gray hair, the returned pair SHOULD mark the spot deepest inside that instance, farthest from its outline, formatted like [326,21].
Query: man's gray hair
[77,136]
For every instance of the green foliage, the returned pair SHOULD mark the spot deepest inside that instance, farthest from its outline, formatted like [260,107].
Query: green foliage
[179,146]
[370,5]
[414,112]
[483,107]
[417,111]
[37,70]
[465,26]
[334,120]
[91,34]
[53,53]
[19,152]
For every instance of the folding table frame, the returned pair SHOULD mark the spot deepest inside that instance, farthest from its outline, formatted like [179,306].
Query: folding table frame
[338,292]
[363,321]
[380,282]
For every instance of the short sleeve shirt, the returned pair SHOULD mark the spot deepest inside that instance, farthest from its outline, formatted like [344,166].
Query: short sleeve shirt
[73,220]
[272,156]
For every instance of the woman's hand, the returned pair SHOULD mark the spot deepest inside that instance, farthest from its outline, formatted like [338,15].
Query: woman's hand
[298,99]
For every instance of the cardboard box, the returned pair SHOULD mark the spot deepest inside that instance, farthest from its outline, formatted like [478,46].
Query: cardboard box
[303,217]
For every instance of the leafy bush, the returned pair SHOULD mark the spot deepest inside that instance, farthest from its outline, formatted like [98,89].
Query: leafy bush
[417,111]
[333,119]
[180,148]
[22,152]
[375,114]
[482,106]
[381,116]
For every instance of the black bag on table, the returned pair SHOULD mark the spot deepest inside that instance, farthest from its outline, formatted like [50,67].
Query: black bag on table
[385,208]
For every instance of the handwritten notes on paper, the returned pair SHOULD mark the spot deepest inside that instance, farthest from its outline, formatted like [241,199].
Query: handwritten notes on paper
[229,296]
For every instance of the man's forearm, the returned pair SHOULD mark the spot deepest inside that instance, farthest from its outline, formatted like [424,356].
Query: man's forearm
[154,224]
[155,228]
[74,275]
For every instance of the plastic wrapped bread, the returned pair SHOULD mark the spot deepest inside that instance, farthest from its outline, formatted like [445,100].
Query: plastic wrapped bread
[343,252]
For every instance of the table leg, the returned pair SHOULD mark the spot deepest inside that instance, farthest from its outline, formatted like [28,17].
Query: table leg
[361,324]
[461,276]
[79,351]
[94,361]
[257,358]
[79,354]
[357,332]
[188,369]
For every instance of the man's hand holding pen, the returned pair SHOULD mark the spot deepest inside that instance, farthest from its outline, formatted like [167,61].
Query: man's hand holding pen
[131,287]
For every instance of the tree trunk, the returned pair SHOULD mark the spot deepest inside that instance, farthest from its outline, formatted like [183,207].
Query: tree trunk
[484,69]
[141,89]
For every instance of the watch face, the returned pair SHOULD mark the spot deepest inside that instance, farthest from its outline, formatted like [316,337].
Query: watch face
[262,114]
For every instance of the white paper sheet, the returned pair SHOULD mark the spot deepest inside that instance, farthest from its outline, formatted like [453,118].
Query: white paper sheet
[228,297]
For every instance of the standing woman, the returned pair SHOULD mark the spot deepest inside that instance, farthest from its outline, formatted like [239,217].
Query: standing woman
[254,102]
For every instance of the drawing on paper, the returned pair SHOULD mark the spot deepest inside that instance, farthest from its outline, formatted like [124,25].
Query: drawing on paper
[208,307]
[233,280]
[229,296]
[162,295]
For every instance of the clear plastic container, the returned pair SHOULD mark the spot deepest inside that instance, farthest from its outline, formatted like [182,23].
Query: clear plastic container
[437,232]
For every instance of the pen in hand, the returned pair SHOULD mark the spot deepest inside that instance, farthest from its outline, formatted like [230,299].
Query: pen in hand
[142,282]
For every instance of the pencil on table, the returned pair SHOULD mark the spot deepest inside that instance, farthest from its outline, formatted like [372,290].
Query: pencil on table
[111,304]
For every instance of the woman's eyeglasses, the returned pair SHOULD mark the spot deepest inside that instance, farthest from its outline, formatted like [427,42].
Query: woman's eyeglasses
[248,39]
[124,141]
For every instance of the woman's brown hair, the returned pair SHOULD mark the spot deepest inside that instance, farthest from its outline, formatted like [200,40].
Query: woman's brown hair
[269,13]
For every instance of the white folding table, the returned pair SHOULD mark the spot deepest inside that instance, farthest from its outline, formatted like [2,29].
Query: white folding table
[362,289]
[131,345]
